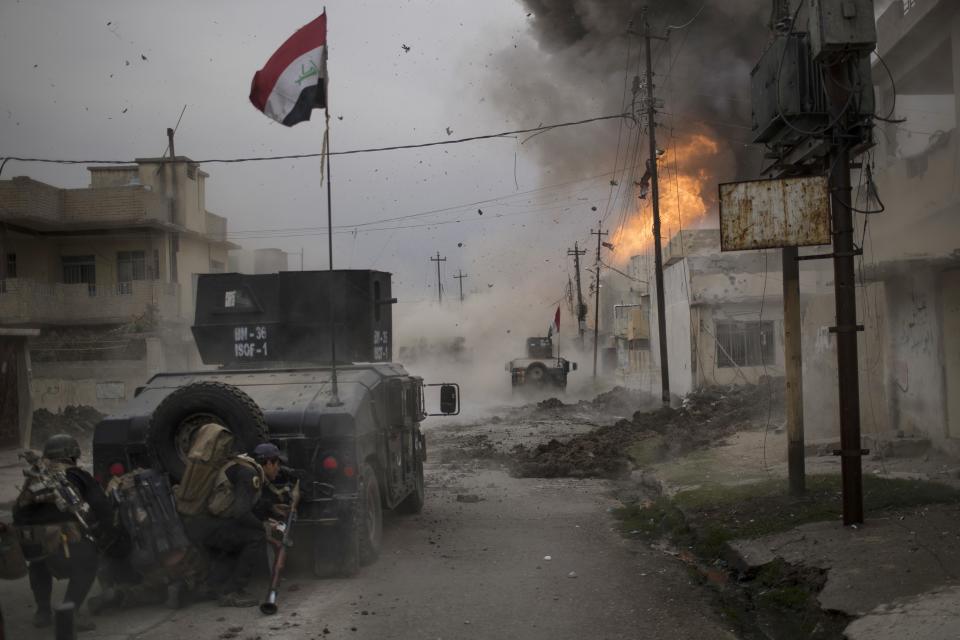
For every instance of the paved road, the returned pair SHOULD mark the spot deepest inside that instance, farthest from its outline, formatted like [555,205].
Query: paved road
[462,570]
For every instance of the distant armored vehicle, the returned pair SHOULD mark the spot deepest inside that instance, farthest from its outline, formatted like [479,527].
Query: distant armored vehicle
[540,368]
[357,447]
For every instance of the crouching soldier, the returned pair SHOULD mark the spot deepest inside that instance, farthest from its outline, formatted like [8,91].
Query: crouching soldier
[279,483]
[60,515]
[216,498]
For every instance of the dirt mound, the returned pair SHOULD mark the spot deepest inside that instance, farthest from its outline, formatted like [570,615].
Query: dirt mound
[551,403]
[621,400]
[611,451]
[76,421]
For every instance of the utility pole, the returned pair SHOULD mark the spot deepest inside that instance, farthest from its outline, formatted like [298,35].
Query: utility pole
[576,252]
[781,20]
[438,260]
[460,276]
[596,311]
[655,202]
[838,90]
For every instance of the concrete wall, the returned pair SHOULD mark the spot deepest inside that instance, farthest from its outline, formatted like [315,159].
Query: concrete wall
[917,402]
[55,386]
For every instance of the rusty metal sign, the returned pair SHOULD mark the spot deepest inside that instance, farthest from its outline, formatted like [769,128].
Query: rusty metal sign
[763,214]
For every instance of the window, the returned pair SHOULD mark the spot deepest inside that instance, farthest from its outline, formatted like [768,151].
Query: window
[131,265]
[79,270]
[745,344]
[11,265]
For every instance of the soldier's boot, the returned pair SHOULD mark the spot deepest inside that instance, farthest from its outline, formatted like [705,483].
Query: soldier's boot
[82,623]
[42,618]
[176,595]
[107,598]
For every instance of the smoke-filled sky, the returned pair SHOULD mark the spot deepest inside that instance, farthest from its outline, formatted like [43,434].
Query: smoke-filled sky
[104,79]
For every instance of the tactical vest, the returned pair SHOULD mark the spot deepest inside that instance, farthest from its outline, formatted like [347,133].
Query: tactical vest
[223,495]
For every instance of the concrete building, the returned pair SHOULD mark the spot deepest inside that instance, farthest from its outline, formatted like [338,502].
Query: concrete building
[106,273]
[912,249]
[257,261]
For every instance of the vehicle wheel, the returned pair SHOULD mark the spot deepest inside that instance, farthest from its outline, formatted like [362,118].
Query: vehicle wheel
[413,503]
[188,408]
[369,516]
[336,552]
[536,374]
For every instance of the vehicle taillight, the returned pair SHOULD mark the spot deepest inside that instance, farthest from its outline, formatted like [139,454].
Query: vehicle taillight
[117,469]
[349,471]
[330,463]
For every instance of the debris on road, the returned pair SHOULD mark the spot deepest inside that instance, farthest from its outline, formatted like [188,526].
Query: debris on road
[611,451]
[468,497]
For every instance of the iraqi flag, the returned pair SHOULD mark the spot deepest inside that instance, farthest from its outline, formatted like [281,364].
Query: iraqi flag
[555,325]
[294,81]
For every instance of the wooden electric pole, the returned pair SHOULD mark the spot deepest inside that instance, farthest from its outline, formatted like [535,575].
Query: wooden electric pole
[460,276]
[438,260]
[596,294]
[655,202]
[576,252]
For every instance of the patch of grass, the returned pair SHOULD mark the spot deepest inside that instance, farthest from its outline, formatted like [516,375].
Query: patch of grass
[785,597]
[647,451]
[659,519]
[722,513]
[708,518]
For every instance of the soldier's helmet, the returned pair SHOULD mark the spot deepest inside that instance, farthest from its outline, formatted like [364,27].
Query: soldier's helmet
[61,447]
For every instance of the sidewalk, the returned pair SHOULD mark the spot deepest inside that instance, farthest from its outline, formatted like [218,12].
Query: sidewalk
[899,572]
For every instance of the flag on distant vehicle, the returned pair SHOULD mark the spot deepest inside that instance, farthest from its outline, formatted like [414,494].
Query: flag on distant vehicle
[555,325]
[293,82]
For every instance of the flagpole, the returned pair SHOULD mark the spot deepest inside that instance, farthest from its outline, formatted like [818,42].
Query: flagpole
[335,396]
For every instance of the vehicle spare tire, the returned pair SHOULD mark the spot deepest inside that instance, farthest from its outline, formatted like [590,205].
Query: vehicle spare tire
[536,374]
[188,408]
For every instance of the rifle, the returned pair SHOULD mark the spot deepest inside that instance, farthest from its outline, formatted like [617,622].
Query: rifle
[269,605]
[65,496]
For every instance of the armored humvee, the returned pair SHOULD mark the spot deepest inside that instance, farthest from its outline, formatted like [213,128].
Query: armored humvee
[354,440]
[540,368]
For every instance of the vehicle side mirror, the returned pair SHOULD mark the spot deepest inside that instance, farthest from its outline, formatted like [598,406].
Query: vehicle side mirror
[449,399]
[449,403]
[574,365]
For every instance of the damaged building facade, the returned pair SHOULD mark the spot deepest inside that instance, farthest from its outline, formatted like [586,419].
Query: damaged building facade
[104,276]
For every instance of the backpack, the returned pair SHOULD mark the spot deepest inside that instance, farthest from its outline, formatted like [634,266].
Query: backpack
[211,449]
[149,516]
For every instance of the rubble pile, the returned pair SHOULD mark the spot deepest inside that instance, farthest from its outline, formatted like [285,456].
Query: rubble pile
[703,418]
[621,400]
[77,421]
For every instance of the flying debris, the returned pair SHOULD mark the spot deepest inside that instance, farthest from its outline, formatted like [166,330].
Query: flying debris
[449,130]
[480,211]
[614,183]
[143,57]
[405,48]
[608,245]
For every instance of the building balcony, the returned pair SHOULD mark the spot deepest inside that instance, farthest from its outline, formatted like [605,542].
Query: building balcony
[27,302]
[40,206]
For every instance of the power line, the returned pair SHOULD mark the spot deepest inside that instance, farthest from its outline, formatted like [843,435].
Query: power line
[299,156]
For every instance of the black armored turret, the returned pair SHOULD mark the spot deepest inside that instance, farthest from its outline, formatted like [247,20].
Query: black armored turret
[290,317]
